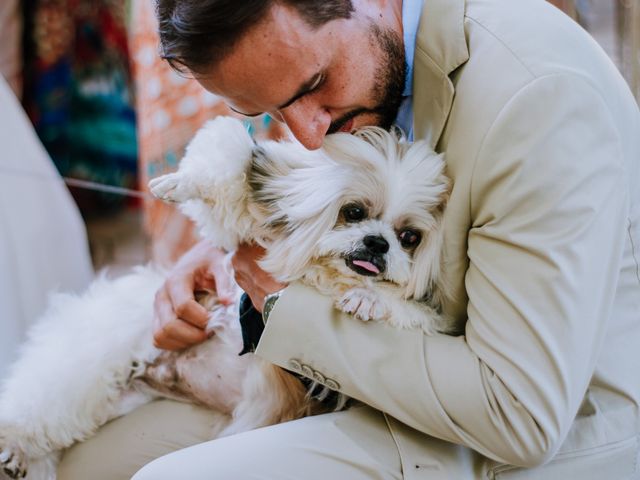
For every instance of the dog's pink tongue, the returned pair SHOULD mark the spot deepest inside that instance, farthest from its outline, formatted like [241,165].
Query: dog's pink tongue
[367,265]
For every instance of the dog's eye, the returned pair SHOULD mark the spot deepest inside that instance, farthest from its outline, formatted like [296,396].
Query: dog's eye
[354,212]
[409,238]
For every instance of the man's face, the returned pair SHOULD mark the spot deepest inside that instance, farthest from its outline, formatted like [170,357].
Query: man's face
[341,76]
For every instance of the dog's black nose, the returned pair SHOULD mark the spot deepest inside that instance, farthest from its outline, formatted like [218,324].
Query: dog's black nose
[376,244]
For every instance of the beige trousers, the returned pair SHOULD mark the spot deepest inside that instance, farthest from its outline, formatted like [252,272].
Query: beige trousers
[355,444]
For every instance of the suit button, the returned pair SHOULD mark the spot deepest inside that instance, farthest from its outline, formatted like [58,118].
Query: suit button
[318,377]
[307,371]
[332,384]
[295,365]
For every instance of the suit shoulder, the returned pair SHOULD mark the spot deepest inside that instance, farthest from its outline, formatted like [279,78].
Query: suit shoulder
[535,35]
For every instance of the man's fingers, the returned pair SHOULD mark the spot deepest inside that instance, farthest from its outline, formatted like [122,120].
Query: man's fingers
[182,331]
[193,313]
[185,306]
[168,344]
[177,335]
[176,328]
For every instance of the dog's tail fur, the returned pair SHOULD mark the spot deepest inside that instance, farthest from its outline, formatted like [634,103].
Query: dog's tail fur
[270,396]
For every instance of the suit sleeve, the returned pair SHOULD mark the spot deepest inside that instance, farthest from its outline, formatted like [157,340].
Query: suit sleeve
[549,211]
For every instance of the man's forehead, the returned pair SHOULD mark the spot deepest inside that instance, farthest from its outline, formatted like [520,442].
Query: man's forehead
[254,88]
[269,64]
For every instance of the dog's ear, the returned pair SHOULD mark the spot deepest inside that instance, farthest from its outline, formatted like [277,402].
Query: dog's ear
[264,171]
[426,271]
[296,191]
[432,192]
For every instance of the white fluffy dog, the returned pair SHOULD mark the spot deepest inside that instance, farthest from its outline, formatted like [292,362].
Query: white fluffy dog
[360,220]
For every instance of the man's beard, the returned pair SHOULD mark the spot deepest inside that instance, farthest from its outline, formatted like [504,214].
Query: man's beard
[390,80]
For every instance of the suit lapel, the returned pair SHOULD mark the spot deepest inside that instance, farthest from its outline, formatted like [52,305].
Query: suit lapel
[441,47]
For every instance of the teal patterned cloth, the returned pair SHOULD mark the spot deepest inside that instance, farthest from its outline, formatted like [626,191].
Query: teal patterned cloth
[79,95]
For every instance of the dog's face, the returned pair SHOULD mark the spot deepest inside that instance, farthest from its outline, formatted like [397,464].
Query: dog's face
[368,205]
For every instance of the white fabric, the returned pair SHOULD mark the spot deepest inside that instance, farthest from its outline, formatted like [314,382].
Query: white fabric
[43,244]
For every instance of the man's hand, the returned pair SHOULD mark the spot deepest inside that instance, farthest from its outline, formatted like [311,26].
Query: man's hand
[252,279]
[180,321]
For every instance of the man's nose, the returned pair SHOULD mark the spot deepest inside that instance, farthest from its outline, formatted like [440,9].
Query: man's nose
[308,123]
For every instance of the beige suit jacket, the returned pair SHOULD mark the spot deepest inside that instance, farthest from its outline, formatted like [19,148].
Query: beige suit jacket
[542,141]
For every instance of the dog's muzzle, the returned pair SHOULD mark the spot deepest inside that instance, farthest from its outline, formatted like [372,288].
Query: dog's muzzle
[369,260]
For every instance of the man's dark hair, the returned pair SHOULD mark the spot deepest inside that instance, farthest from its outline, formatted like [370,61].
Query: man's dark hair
[196,34]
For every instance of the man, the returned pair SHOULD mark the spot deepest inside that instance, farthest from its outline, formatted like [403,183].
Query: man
[542,230]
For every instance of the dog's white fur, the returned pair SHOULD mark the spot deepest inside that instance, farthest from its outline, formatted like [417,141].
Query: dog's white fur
[91,358]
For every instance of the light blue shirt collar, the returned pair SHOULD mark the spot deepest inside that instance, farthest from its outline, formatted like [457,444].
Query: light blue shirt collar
[411,11]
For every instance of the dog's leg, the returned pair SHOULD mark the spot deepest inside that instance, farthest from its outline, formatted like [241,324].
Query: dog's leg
[387,304]
[414,314]
[75,368]
[365,304]
[15,464]
[13,460]
[172,188]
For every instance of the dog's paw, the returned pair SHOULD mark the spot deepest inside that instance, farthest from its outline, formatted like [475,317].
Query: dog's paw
[169,188]
[13,461]
[363,304]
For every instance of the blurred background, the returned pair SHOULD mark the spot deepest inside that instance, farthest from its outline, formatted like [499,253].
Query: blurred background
[107,110]
[87,98]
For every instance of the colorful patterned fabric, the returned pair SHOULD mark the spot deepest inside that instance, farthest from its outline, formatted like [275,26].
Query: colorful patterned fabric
[78,92]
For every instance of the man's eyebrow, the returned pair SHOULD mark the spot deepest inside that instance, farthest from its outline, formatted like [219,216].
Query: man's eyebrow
[303,90]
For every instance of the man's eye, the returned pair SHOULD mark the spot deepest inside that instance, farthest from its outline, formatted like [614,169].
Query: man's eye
[354,213]
[409,238]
